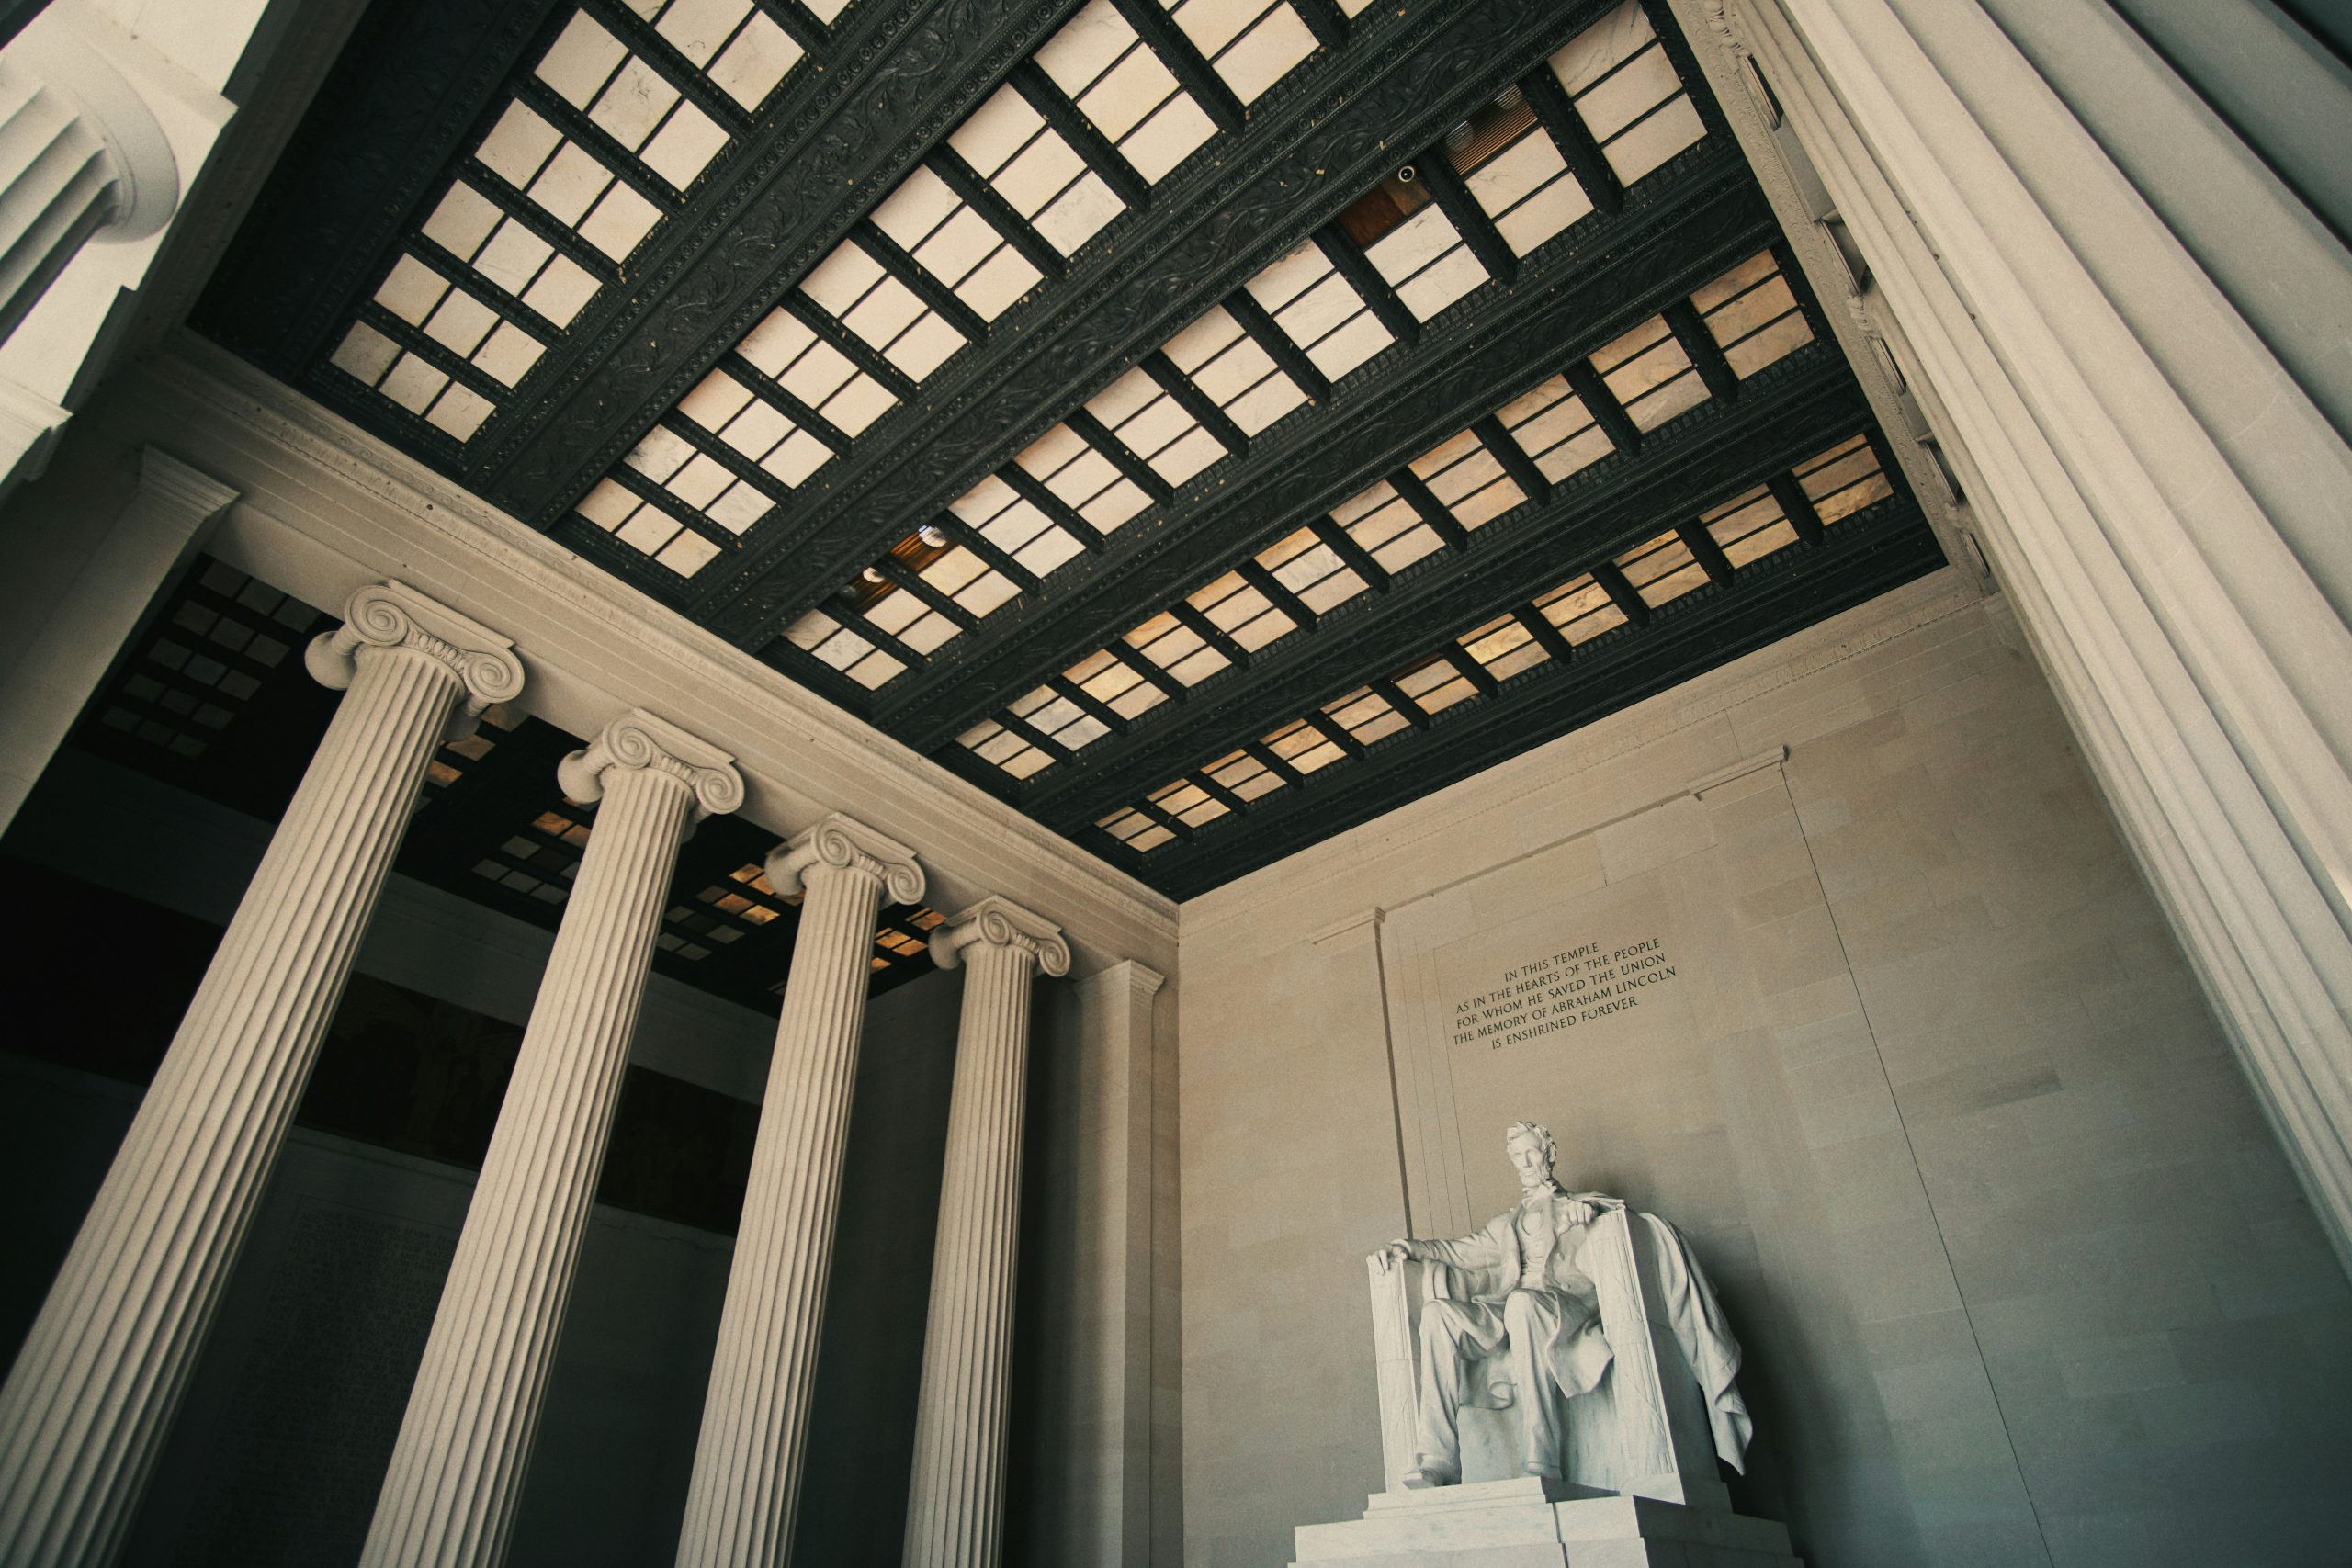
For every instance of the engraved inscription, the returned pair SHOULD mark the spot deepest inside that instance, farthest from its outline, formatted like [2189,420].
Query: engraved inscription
[1559,990]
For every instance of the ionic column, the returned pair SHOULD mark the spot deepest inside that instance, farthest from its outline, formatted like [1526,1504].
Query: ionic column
[746,1485]
[457,1467]
[955,1505]
[81,155]
[85,1407]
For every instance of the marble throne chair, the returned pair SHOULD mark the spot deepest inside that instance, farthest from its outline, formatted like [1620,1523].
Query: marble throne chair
[1638,1461]
[1642,1433]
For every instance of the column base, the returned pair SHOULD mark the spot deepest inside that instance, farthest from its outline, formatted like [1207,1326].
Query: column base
[1533,1523]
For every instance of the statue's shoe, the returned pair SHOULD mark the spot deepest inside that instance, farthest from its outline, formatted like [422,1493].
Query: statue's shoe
[1423,1476]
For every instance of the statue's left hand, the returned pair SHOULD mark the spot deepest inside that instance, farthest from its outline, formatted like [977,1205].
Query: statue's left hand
[1585,1207]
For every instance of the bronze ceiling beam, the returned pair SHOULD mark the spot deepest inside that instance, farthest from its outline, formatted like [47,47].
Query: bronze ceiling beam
[1589,286]
[1866,555]
[1310,146]
[1709,455]
[895,77]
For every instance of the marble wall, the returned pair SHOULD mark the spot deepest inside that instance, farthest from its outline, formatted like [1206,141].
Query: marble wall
[1094,1428]
[1834,957]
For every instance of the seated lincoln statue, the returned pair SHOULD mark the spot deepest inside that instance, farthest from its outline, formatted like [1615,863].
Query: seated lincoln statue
[1529,1313]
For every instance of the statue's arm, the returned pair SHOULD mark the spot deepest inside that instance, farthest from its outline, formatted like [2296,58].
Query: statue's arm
[1587,1207]
[1479,1249]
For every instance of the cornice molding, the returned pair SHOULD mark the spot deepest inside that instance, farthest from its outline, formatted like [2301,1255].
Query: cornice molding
[1696,634]
[327,506]
[1136,983]
[1773,758]
[1365,923]
[1319,874]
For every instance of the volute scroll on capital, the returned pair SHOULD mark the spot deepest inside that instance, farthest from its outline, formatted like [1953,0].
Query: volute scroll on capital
[394,616]
[1001,923]
[639,740]
[847,844]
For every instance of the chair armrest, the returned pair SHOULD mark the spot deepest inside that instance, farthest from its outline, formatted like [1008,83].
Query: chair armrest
[1393,1300]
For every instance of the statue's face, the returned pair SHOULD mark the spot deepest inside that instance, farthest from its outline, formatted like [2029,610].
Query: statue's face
[1527,1157]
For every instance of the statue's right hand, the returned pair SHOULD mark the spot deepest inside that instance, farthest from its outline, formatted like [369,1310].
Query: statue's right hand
[1396,1252]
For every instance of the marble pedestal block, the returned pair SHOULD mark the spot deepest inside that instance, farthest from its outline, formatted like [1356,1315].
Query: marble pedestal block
[1528,1523]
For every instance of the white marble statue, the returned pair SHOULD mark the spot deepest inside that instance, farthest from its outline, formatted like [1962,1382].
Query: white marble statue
[1524,1323]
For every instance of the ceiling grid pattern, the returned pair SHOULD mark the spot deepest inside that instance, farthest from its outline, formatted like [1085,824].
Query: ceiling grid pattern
[1202,423]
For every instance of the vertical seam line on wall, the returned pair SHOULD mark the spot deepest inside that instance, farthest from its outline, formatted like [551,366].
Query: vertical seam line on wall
[1125,972]
[1912,1153]
[1388,1044]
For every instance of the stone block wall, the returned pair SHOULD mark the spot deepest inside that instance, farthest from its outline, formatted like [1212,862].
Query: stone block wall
[2023,1274]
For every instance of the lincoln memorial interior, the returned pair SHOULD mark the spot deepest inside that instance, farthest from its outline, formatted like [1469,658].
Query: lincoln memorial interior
[882,782]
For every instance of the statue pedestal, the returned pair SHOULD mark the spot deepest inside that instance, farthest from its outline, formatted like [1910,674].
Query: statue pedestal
[1528,1523]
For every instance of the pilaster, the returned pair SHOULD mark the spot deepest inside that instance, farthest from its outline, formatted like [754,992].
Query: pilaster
[76,589]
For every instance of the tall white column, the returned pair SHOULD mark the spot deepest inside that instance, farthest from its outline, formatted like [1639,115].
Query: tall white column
[93,1389]
[83,160]
[80,153]
[746,1485]
[2088,276]
[955,1504]
[464,1444]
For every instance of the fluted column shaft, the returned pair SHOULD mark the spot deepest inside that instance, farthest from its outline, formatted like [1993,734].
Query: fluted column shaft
[745,1491]
[464,1446]
[85,1406]
[81,154]
[954,1502]
[57,184]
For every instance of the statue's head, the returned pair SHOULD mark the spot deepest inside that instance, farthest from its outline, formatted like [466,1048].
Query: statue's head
[1532,1151]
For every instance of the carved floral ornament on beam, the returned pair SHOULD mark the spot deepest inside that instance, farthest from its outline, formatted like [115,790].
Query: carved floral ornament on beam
[1645,379]
[863,332]
[1754,525]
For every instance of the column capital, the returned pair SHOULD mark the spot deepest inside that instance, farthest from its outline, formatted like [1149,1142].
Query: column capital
[81,53]
[843,841]
[394,615]
[162,474]
[639,740]
[1001,922]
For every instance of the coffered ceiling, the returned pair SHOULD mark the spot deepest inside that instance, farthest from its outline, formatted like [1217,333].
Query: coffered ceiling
[212,698]
[1204,424]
